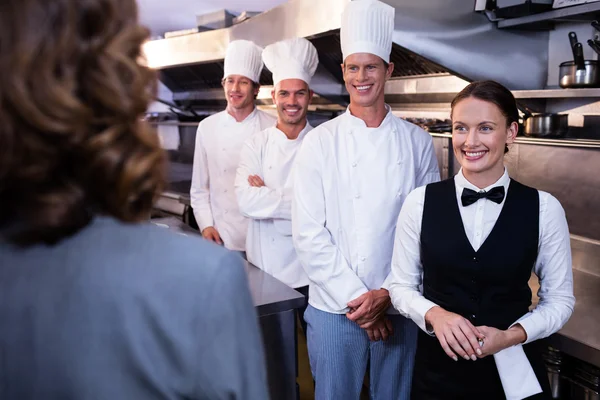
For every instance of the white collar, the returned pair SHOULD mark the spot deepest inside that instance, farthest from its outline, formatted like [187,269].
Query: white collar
[281,136]
[229,119]
[461,182]
[356,122]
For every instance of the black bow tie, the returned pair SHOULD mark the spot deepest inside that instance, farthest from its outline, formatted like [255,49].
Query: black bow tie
[469,196]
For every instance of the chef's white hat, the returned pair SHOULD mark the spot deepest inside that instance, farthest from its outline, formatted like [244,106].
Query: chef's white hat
[291,59]
[367,27]
[243,58]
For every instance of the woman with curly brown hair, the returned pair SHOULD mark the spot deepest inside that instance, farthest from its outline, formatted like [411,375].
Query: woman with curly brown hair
[93,302]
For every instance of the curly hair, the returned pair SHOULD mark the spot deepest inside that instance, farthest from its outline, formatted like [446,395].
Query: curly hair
[73,144]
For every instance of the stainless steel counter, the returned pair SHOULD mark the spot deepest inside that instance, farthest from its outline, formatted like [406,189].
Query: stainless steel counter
[580,337]
[269,294]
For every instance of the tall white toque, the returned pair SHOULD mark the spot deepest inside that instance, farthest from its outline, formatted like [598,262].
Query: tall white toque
[367,27]
[295,58]
[243,58]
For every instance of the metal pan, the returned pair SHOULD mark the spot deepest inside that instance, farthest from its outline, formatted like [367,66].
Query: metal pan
[578,73]
[546,125]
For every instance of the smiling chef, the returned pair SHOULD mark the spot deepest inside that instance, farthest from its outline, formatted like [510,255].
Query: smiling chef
[218,143]
[264,177]
[351,177]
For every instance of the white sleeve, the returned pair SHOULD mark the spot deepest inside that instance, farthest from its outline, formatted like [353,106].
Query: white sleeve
[406,275]
[322,260]
[554,270]
[200,188]
[428,171]
[259,202]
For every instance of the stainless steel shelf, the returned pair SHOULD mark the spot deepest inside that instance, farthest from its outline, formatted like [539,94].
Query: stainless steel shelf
[583,12]
[579,143]
[557,93]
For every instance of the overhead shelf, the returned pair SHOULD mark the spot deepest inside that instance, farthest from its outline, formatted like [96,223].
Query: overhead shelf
[557,93]
[545,20]
[568,142]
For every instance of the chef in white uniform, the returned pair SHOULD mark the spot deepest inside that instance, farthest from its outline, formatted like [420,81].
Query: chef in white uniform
[352,175]
[264,177]
[218,143]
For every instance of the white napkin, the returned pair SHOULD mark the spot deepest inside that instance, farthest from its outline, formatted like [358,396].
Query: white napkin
[517,376]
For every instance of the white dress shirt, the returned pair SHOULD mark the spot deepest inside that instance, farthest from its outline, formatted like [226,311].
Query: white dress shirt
[553,267]
[553,264]
[349,184]
[219,140]
[270,155]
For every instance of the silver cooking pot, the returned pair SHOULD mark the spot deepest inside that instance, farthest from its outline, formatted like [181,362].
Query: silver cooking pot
[578,73]
[546,125]
[570,76]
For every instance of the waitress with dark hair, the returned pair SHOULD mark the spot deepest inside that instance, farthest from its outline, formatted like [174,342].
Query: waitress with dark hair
[472,242]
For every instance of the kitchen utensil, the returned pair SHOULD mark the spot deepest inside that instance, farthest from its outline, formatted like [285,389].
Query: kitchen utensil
[595,45]
[596,25]
[579,73]
[573,40]
[570,76]
[546,125]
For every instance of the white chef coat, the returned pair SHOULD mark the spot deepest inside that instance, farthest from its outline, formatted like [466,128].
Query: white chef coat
[270,155]
[219,140]
[553,267]
[553,264]
[349,184]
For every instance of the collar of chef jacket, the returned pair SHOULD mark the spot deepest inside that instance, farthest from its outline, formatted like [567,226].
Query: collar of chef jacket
[228,119]
[355,122]
[281,137]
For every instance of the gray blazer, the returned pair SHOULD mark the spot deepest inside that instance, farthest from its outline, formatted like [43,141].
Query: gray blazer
[127,311]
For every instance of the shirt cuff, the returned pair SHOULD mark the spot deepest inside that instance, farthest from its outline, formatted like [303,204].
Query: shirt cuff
[532,327]
[420,307]
[204,220]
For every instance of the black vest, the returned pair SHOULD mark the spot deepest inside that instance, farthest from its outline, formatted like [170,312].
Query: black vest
[490,286]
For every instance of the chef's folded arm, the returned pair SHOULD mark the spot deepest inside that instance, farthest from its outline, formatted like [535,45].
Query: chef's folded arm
[199,192]
[320,257]
[554,269]
[405,276]
[259,202]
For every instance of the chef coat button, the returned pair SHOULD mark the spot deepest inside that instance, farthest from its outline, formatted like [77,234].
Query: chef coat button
[398,162]
[354,164]
[270,166]
[225,191]
[357,196]
[399,194]
[363,258]
[223,148]
[475,259]
[473,316]
[272,239]
[225,212]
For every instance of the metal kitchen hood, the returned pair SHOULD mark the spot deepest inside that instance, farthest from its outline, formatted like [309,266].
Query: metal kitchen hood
[191,66]
[450,33]
[432,39]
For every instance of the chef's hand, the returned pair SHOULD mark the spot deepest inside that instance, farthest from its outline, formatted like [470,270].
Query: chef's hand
[255,181]
[210,233]
[380,330]
[368,308]
[497,340]
[455,333]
